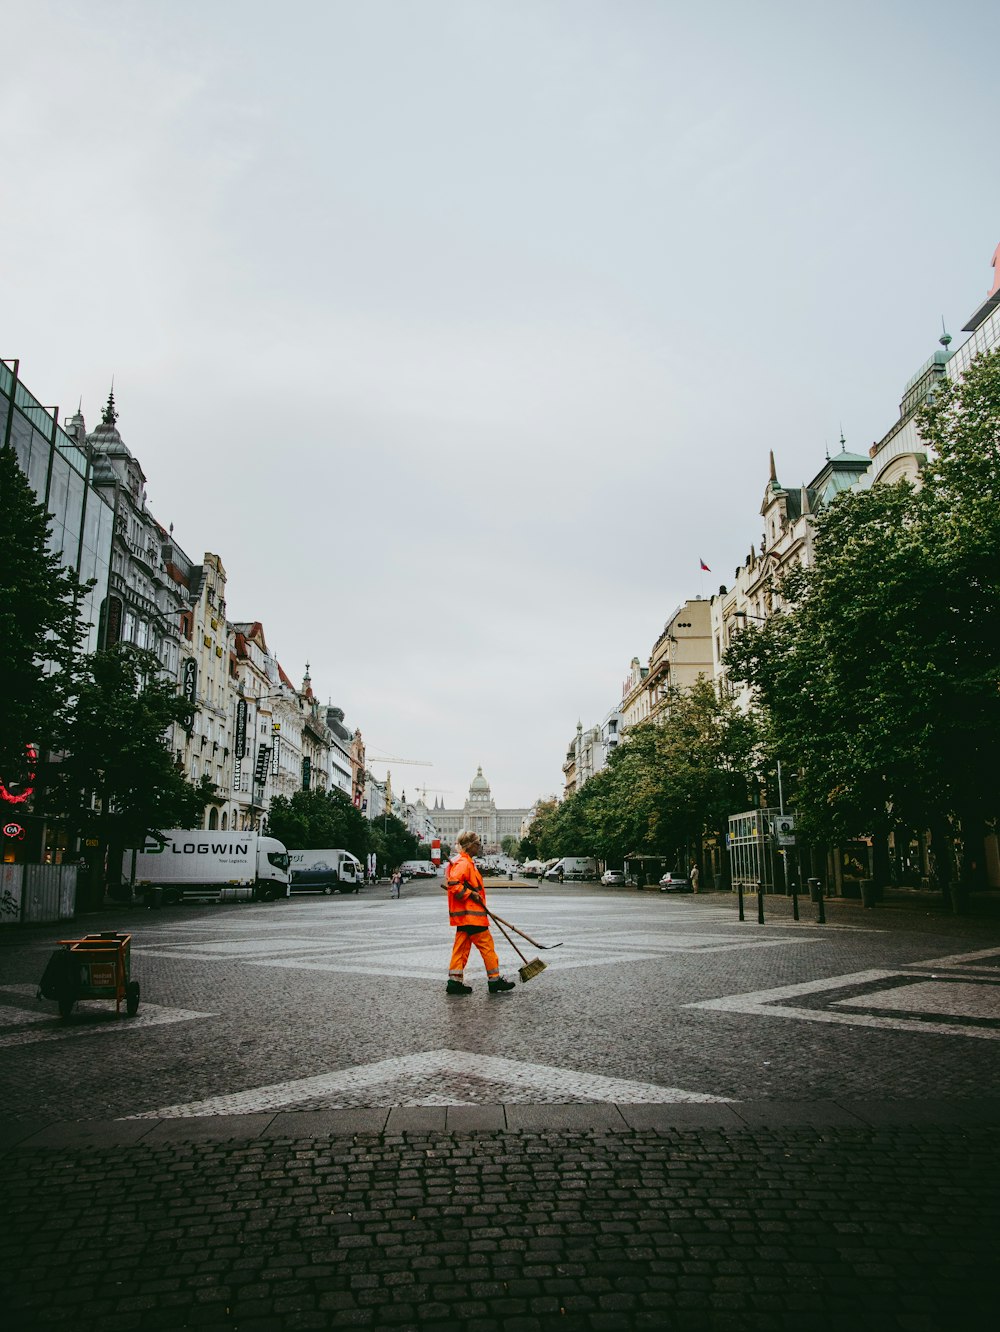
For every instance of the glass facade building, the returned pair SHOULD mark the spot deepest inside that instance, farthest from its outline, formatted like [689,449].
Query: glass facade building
[58,469]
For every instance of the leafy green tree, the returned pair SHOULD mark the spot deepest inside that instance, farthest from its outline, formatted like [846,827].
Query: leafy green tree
[117,779]
[392,843]
[508,845]
[674,780]
[40,628]
[537,843]
[962,494]
[844,679]
[677,778]
[882,686]
[313,820]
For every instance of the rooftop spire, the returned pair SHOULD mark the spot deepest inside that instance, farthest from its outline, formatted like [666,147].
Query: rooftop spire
[110,416]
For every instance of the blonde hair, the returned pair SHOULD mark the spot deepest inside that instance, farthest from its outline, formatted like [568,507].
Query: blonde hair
[466,837]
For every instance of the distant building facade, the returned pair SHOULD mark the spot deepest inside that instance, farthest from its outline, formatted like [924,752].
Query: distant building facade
[479,814]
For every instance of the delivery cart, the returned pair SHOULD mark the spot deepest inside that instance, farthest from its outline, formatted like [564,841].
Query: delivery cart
[94,967]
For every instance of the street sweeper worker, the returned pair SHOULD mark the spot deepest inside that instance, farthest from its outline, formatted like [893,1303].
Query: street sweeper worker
[467,912]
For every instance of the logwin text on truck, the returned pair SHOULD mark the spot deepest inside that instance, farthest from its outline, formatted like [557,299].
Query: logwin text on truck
[326,871]
[223,866]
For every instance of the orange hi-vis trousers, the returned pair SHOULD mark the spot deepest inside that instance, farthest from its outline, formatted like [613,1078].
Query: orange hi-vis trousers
[464,939]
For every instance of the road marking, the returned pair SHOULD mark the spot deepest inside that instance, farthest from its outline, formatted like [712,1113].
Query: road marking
[950,998]
[91,1017]
[436,1077]
[350,952]
[972,1009]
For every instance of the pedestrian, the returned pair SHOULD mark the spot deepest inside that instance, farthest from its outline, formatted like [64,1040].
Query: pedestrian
[467,912]
[397,880]
[695,876]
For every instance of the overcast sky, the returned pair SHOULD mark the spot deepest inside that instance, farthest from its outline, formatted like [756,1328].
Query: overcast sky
[461,329]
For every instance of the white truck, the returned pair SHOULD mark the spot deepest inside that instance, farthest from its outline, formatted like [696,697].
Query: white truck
[326,871]
[573,867]
[199,863]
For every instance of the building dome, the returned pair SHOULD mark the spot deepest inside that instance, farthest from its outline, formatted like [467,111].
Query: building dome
[479,782]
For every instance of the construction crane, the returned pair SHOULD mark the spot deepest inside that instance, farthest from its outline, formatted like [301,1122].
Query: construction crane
[434,790]
[391,758]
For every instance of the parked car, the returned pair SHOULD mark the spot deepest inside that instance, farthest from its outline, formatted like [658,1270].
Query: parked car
[675,883]
[613,876]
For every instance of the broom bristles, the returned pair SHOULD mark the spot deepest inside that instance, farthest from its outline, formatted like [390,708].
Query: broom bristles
[531,969]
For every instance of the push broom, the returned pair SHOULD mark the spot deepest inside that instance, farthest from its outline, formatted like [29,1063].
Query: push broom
[500,921]
[529,969]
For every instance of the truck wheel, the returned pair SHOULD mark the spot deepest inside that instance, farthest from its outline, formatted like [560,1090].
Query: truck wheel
[132,998]
[327,890]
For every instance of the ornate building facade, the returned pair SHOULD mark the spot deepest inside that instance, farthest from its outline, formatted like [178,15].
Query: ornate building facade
[480,814]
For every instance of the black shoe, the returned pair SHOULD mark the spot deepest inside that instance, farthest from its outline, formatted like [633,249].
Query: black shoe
[501,986]
[456,987]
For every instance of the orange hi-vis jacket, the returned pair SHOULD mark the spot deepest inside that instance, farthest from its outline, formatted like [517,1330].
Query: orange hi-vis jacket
[461,880]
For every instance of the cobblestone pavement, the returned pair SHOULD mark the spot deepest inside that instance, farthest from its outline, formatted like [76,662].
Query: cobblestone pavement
[685,1122]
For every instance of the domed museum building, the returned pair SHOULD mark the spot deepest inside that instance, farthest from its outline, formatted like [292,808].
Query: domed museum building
[480,814]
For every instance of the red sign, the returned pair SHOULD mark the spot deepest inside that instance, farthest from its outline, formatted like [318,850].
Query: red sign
[31,763]
[436,851]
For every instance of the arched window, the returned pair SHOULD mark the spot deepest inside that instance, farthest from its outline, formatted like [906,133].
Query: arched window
[213,818]
[225,821]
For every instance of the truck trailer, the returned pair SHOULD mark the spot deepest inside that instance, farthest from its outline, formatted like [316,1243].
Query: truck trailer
[211,865]
[326,871]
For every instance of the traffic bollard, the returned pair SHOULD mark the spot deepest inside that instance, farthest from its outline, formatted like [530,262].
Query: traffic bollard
[816,892]
[739,891]
[795,901]
[760,903]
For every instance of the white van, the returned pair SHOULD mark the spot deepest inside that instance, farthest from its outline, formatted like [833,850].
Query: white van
[573,868]
[326,871]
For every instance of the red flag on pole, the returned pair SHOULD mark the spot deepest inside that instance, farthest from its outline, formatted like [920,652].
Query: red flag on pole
[704,566]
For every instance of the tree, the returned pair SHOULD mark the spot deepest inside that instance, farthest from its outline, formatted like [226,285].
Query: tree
[678,777]
[314,820]
[672,781]
[117,780]
[538,840]
[392,842]
[508,845]
[962,493]
[883,683]
[844,679]
[40,630]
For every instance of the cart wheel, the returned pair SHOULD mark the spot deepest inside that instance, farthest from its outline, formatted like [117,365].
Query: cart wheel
[66,1003]
[132,998]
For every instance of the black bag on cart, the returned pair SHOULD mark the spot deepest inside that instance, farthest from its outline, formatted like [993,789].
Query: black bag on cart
[61,977]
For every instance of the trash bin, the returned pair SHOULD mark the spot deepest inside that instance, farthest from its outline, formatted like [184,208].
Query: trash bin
[154,896]
[815,890]
[101,970]
[868,894]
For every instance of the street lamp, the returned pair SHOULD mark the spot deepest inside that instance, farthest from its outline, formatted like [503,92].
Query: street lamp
[746,615]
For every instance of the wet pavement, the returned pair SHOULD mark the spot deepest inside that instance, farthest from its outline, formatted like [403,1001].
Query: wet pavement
[686,1121]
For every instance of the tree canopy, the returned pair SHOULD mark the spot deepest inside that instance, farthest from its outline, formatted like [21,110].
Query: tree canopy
[313,820]
[117,778]
[672,782]
[882,684]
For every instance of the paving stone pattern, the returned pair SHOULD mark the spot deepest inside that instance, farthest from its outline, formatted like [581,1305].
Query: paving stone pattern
[793,1228]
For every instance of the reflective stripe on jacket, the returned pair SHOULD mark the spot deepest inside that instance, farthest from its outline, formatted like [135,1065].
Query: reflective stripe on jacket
[461,879]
